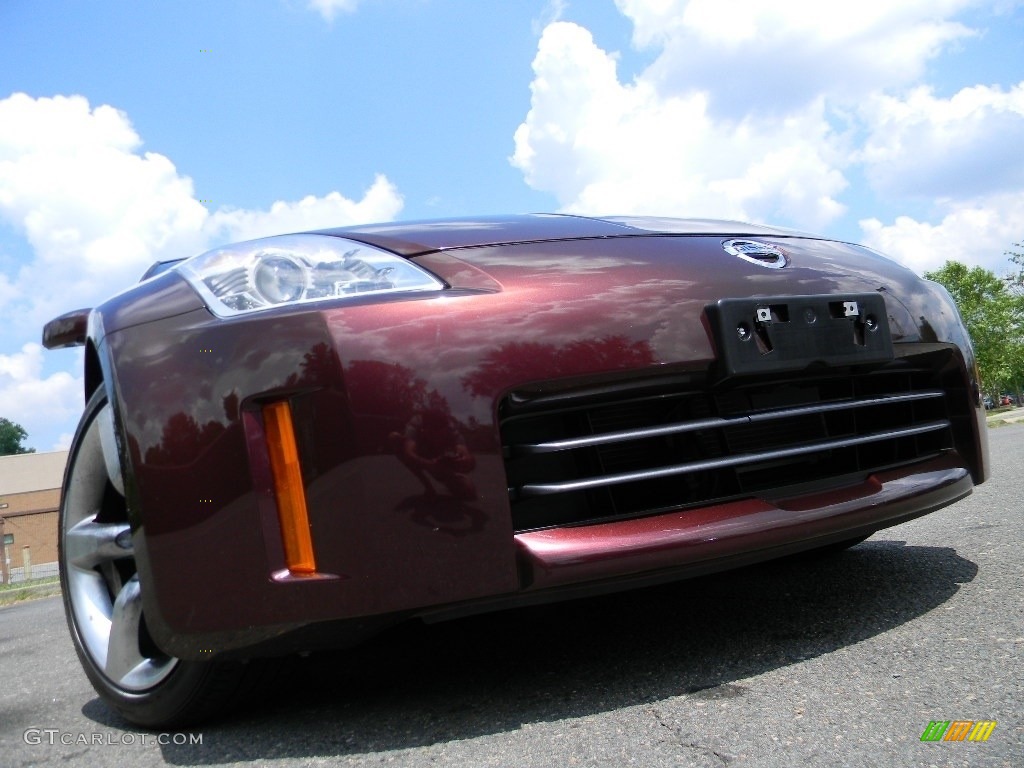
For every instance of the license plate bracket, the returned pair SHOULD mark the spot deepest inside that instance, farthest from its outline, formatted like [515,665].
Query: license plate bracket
[788,333]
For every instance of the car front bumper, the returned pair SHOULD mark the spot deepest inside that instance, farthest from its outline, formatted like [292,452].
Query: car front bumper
[394,539]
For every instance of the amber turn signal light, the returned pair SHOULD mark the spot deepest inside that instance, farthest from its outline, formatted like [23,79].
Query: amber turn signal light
[288,489]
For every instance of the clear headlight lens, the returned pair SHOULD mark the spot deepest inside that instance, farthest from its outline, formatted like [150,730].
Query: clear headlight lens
[298,269]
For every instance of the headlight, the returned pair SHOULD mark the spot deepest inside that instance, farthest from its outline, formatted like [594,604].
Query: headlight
[298,269]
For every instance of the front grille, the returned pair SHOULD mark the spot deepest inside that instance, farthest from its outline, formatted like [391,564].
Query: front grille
[641,448]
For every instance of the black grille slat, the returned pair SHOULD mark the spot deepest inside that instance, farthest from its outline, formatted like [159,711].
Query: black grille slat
[636,452]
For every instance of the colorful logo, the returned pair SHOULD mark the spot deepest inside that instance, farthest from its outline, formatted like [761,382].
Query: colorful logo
[958,730]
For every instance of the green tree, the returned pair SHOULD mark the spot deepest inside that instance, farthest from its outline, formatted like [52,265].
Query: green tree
[1017,257]
[1015,283]
[995,319]
[11,437]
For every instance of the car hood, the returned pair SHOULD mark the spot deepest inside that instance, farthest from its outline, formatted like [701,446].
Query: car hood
[655,285]
[413,238]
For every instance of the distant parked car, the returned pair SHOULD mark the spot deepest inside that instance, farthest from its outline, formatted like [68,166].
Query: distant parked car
[989,402]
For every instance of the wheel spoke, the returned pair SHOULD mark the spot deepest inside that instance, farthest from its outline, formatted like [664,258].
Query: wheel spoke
[123,653]
[104,596]
[88,543]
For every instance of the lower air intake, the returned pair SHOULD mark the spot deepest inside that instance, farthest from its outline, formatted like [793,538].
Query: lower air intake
[640,448]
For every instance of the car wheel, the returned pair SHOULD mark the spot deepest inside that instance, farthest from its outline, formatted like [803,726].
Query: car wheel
[103,596]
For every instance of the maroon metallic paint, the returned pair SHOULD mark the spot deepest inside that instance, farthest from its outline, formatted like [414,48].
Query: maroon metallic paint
[557,556]
[412,238]
[396,536]
[68,330]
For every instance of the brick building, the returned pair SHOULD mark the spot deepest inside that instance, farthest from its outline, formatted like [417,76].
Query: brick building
[29,498]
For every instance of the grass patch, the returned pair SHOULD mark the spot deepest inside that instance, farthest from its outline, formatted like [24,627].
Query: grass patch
[1001,409]
[15,593]
[32,583]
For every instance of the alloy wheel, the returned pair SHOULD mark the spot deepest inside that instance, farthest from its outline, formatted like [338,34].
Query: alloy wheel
[97,561]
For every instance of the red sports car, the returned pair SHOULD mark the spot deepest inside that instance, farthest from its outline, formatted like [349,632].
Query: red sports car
[294,442]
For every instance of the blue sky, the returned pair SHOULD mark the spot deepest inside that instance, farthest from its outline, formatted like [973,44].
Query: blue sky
[132,131]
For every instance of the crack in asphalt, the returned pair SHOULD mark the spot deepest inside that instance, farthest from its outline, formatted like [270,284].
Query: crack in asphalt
[723,756]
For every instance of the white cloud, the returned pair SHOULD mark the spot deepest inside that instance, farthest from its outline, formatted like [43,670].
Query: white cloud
[777,55]
[770,111]
[329,8]
[35,401]
[977,233]
[97,211]
[552,12]
[381,202]
[603,146]
[959,147]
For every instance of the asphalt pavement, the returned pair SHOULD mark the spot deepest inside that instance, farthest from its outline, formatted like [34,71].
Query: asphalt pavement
[841,661]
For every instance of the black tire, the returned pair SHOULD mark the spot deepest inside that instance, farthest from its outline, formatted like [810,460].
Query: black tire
[102,599]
